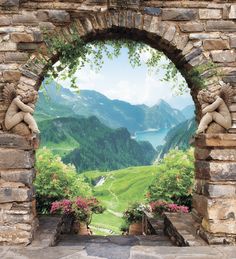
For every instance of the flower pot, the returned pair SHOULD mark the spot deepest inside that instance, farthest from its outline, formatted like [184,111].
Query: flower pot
[81,228]
[135,228]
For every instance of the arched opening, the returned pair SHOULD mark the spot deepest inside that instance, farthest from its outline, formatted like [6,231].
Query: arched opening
[98,145]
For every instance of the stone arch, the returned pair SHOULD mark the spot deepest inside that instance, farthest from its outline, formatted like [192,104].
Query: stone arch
[189,34]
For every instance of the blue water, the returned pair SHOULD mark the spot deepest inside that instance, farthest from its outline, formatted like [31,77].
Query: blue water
[156,137]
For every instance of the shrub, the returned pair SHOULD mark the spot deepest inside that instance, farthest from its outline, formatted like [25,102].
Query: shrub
[159,207]
[175,178]
[79,208]
[56,181]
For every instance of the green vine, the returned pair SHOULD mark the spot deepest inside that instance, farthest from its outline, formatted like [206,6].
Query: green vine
[197,74]
[75,54]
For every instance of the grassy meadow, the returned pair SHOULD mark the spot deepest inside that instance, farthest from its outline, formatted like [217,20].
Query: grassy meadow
[117,190]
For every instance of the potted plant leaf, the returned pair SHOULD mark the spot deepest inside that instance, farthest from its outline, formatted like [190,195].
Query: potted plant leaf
[133,217]
[80,209]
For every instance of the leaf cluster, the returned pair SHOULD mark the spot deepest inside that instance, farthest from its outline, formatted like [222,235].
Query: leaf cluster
[56,181]
[175,178]
[75,54]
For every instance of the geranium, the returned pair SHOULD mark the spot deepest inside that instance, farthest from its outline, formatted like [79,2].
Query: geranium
[159,207]
[134,213]
[64,206]
[81,208]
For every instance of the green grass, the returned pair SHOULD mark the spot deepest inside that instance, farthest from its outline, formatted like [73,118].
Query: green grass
[121,187]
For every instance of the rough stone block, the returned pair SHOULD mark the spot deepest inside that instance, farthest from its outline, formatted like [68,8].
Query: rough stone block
[215,171]
[16,159]
[232,41]
[216,140]
[210,14]
[220,26]
[215,154]
[178,14]
[191,27]
[222,56]
[47,26]
[138,20]
[5,20]
[157,27]
[26,18]
[215,190]
[22,176]
[180,41]
[9,3]
[58,16]
[11,75]
[220,226]
[15,141]
[215,208]
[199,203]
[12,235]
[25,46]
[204,36]
[193,54]
[220,190]
[8,46]
[87,25]
[22,37]
[232,12]
[147,22]
[216,44]
[15,194]
[16,57]
[170,33]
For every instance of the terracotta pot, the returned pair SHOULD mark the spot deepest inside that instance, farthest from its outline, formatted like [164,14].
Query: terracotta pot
[81,228]
[135,228]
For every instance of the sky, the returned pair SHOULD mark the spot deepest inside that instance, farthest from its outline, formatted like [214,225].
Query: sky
[119,80]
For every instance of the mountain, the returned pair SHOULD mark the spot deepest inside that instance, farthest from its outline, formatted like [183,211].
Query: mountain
[188,112]
[63,102]
[91,145]
[178,137]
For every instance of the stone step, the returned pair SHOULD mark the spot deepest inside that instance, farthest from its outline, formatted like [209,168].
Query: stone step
[182,229]
[151,240]
[48,231]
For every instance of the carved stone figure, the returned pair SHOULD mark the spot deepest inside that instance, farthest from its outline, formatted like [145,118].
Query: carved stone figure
[215,111]
[19,118]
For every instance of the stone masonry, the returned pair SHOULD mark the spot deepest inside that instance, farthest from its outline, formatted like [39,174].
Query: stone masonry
[190,33]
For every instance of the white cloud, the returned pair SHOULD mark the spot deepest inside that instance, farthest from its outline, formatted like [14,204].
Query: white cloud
[117,80]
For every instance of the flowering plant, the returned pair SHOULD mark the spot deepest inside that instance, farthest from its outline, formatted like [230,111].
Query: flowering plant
[134,213]
[159,207]
[80,208]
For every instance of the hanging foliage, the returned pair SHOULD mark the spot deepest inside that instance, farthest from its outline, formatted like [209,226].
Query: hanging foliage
[74,55]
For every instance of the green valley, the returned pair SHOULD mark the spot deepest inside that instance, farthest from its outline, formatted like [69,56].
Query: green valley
[117,189]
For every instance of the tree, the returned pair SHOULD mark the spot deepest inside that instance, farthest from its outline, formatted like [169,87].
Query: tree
[56,181]
[175,178]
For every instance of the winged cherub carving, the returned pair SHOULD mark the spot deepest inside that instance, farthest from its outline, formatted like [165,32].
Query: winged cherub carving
[215,107]
[21,107]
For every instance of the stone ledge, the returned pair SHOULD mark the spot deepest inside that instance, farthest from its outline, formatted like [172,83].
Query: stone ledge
[8,140]
[48,232]
[182,229]
[215,140]
[16,159]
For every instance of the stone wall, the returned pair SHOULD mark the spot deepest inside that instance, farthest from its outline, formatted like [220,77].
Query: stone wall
[190,33]
[17,200]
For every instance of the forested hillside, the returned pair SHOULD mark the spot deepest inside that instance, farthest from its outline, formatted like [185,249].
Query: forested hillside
[178,137]
[89,144]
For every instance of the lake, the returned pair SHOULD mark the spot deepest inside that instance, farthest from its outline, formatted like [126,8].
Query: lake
[155,137]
